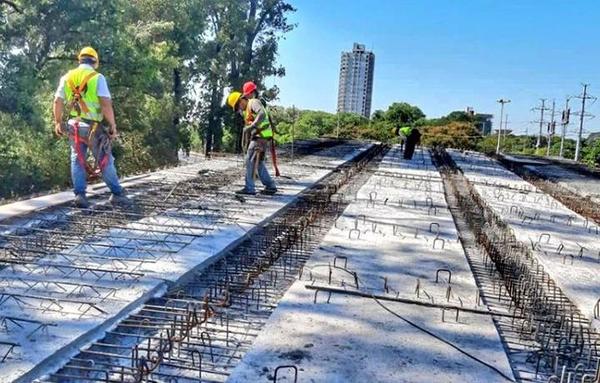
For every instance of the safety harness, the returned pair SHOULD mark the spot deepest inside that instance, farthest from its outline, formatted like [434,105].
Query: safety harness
[79,105]
[269,122]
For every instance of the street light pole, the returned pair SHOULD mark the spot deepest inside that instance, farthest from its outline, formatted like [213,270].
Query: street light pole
[502,102]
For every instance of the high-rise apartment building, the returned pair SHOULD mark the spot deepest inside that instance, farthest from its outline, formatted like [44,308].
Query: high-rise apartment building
[356,81]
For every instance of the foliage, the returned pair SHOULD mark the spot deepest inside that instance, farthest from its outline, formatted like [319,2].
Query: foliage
[591,153]
[242,46]
[456,116]
[305,124]
[526,145]
[455,134]
[30,161]
[401,113]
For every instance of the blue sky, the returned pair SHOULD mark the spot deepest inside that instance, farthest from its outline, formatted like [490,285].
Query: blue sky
[446,55]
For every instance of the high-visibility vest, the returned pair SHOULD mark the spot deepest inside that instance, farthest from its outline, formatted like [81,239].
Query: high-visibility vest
[265,126]
[405,130]
[81,91]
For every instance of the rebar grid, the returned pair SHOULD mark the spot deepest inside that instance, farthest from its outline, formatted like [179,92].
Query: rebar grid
[560,340]
[582,205]
[62,254]
[200,329]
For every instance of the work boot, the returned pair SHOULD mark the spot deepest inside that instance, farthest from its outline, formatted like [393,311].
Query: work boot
[245,191]
[120,200]
[81,202]
[269,191]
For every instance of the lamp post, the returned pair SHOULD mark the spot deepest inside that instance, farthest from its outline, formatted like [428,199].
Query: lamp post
[502,102]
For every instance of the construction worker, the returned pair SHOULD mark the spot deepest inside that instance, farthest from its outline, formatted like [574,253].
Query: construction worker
[411,137]
[88,104]
[249,92]
[403,132]
[258,128]
[412,140]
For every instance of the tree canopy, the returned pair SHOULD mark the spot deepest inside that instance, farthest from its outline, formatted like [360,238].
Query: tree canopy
[402,113]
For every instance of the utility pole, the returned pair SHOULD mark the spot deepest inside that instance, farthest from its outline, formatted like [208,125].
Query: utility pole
[542,109]
[582,115]
[337,128]
[566,114]
[502,102]
[551,128]
[505,128]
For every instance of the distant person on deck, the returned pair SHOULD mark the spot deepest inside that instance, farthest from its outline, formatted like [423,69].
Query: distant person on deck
[411,137]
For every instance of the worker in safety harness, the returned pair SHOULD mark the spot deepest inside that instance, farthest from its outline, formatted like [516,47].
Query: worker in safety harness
[259,132]
[88,104]
[249,91]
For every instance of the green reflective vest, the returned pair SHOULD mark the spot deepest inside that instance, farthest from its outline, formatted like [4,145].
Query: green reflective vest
[405,130]
[265,126]
[89,105]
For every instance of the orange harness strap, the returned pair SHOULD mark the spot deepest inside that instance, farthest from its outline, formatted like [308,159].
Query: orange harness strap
[248,120]
[78,103]
[81,107]
[92,172]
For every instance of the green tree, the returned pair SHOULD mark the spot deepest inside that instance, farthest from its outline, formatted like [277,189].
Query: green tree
[401,113]
[378,115]
[246,39]
[456,134]
[591,153]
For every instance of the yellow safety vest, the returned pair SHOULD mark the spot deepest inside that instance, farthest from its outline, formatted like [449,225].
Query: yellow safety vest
[81,91]
[265,126]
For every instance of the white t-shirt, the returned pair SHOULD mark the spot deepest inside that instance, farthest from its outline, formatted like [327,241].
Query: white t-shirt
[102,85]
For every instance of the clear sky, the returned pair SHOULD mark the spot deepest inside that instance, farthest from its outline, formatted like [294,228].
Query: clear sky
[445,55]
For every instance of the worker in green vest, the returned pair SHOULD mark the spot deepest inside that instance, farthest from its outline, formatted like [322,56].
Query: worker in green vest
[89,105]
[410,137]
[258,128]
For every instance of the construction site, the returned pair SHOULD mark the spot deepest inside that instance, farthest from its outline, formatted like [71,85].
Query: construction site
[365,267]
[286,191]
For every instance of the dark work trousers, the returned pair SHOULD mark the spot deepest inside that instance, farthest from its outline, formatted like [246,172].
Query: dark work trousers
[411,142]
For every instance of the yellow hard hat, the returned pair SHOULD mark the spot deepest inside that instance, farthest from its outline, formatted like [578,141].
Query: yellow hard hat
[233,99]
[88,51]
